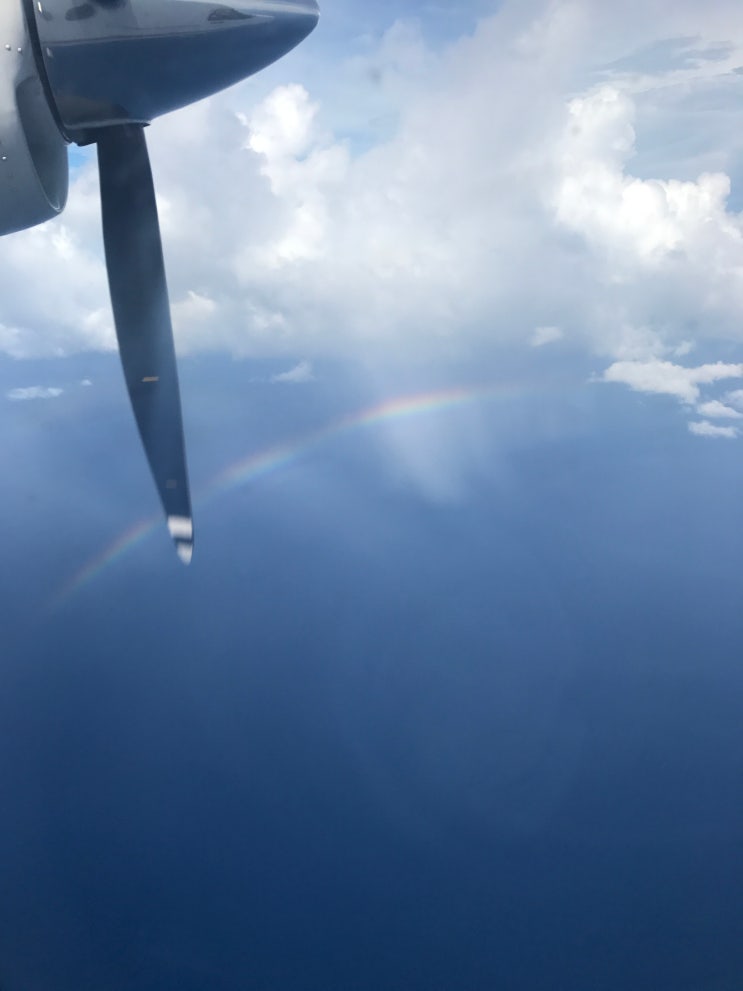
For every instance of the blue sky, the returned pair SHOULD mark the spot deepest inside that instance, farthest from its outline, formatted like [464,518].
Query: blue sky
[449,697]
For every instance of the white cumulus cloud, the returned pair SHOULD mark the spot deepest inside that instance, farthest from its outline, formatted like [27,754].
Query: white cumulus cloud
[716,410]
[668,379]
[735,398]
[588,200]
[703,428]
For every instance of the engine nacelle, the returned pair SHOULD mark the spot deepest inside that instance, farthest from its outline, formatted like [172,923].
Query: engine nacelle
[113,62]
[34,170]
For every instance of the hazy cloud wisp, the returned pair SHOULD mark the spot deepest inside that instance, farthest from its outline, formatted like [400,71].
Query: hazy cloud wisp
[33,392]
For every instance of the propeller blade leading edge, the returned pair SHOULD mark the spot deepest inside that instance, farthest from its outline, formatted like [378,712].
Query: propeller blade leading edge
[139,297]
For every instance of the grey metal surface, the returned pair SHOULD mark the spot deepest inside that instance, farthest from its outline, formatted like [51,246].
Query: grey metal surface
[116,61]
[33,154]
[139,295]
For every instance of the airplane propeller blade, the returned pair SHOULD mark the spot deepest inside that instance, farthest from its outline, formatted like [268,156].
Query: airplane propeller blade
[98,73]
[139,297]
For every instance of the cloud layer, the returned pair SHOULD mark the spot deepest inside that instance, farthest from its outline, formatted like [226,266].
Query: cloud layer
[565,185]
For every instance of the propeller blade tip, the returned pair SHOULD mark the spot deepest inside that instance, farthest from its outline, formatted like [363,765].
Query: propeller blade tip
[181,530]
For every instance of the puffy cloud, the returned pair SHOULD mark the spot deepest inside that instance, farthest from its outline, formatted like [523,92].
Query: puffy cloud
[297,223]
[666,378]
[685,384]
[716,410]
[703,428]
[735,398]
[33,392]
[637,223]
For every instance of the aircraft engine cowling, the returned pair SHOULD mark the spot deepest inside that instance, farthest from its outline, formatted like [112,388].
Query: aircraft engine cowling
[114,62]
[34,170]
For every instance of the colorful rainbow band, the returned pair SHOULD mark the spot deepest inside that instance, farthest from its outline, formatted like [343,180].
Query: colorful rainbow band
[265,462]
